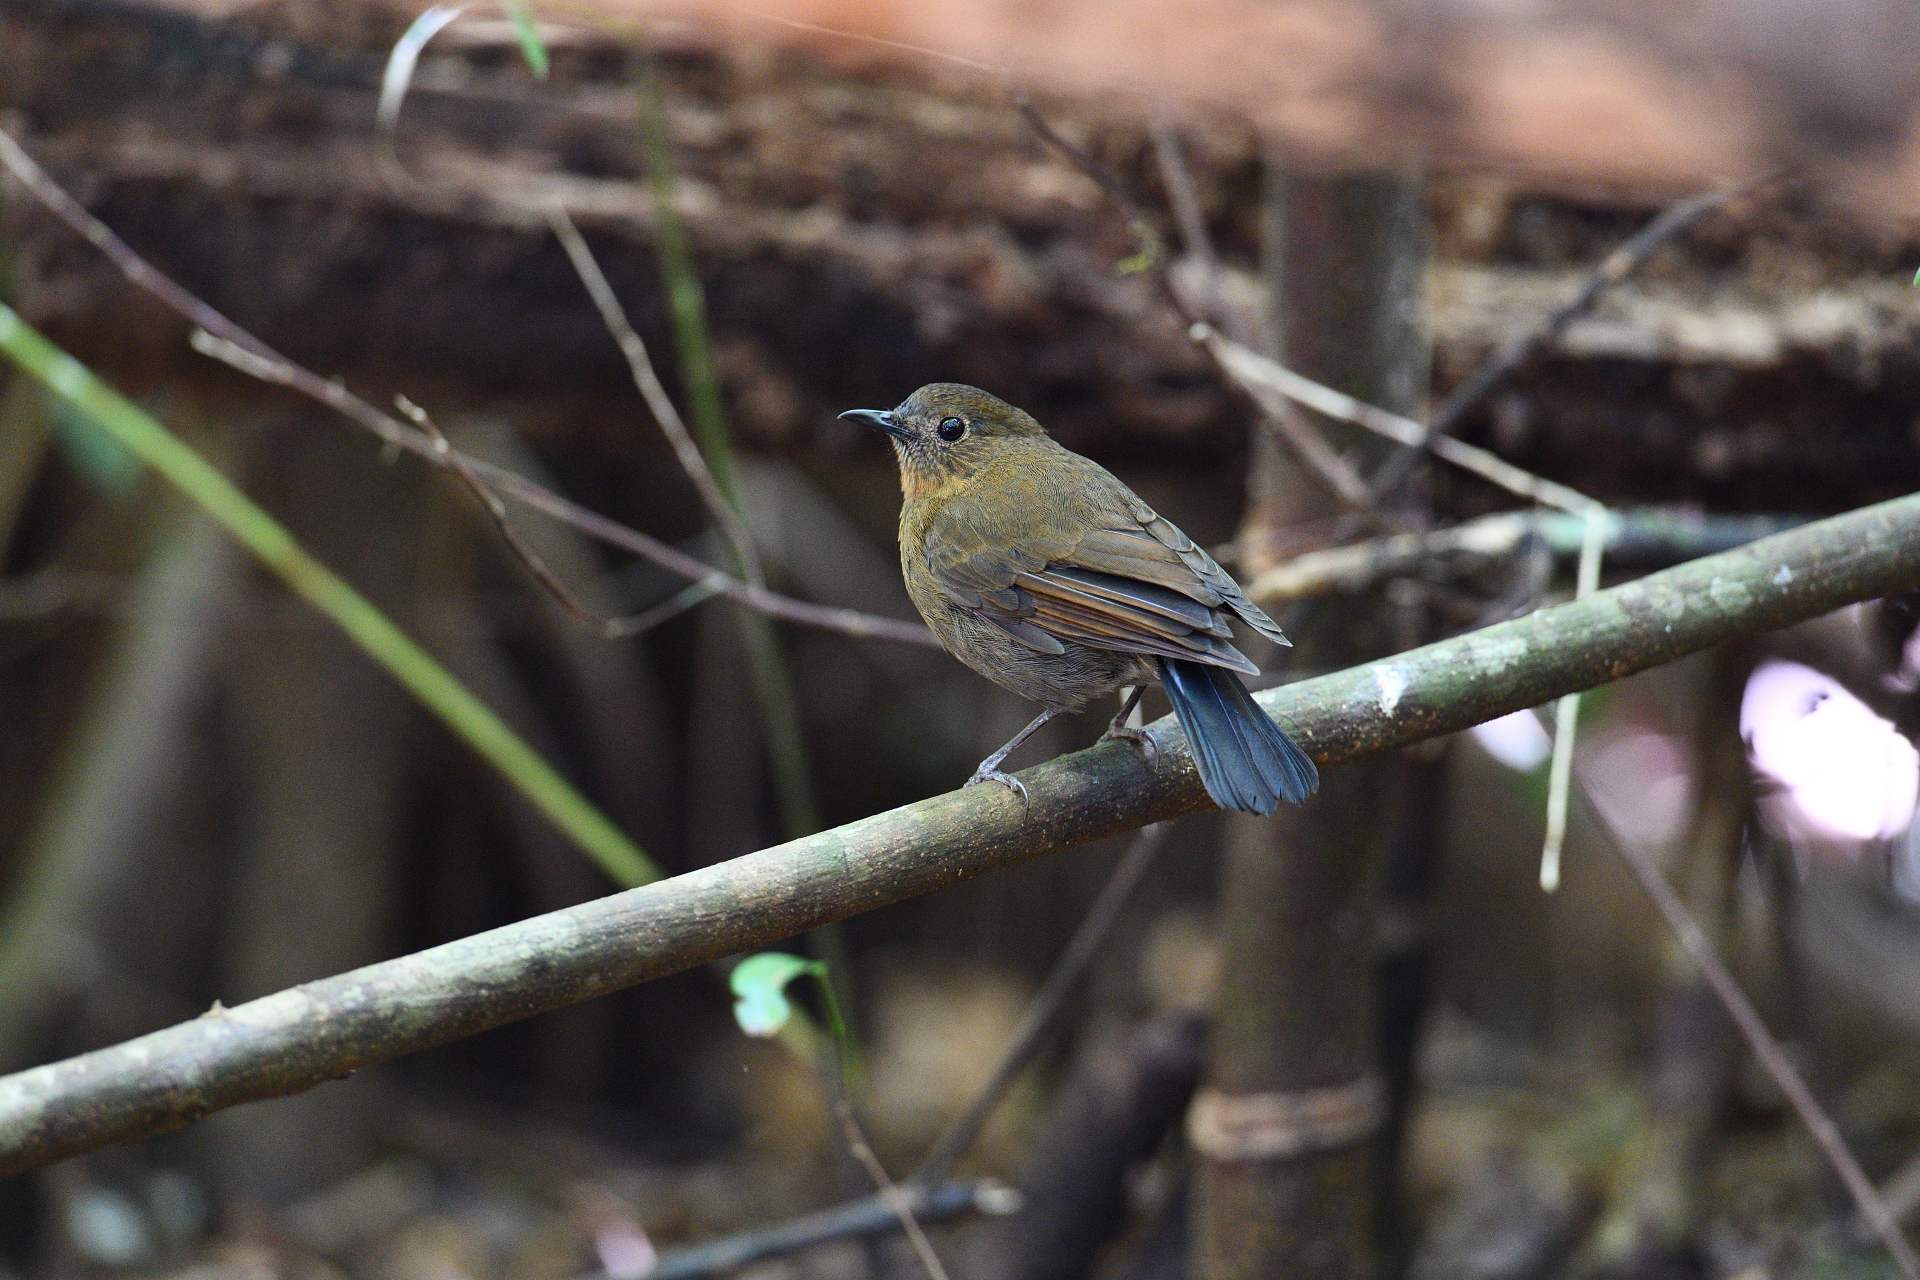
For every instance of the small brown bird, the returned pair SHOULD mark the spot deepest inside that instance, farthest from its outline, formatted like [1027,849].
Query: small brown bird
[1045,574]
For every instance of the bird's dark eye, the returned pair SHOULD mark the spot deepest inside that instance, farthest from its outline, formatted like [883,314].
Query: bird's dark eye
[952,429]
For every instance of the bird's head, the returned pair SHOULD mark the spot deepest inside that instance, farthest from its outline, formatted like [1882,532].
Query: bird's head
[946,433]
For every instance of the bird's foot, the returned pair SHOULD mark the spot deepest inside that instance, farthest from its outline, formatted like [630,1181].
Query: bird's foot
[986,773]
[1139,737]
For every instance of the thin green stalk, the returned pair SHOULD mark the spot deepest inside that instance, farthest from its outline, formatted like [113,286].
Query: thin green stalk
[686,303]
[364,624]
[767,668]
[25,434]
[6,260]
[686,300]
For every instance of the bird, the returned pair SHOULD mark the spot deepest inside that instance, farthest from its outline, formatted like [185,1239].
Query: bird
[1042,571]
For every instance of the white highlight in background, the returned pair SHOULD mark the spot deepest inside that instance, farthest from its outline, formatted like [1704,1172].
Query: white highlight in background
[1846,770]
[1518,741]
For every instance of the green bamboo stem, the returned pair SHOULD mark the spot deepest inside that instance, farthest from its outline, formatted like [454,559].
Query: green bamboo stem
[469,718]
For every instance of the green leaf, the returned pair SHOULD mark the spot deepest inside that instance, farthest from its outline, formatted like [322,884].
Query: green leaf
[531,46]
[1916,279]
[759,986]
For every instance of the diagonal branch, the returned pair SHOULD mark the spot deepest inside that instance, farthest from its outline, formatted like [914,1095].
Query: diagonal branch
[325,1030]
[694,593]
[221,339]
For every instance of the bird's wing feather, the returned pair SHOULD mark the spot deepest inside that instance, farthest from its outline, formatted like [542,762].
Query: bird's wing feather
[1116,589]
[1138,594]
[1101,569]
[1207,570]
[1128,616]
[1025,632]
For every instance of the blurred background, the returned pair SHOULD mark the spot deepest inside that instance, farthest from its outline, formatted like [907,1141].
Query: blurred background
[207,793]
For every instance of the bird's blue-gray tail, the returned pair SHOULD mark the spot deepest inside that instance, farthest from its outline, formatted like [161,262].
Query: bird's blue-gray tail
[1246,760]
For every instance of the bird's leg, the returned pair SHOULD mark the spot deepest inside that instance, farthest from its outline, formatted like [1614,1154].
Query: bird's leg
[1121,729]
[989,770]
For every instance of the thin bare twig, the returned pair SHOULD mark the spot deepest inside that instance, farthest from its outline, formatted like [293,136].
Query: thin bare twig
[1618,265]
[222,339]
[691,596]
[1282,417]
[898,1200]
[864,1218]
[1153,245]
[1273,378]
[1873,1210]
[1265,376]
[1185,202]
[1287,424]
[1901,1191]
[609,628]
[861,37]
[647,380]
[1294,432]
[1625,259]
[1044,1010]
[497,512]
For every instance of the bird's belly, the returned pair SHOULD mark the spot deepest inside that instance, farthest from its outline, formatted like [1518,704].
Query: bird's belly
[1065,681]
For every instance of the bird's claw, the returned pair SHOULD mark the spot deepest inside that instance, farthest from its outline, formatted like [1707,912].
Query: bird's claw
[1139,737]
[1006,780]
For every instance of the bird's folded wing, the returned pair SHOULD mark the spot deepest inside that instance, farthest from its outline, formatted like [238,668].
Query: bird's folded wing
[1122,590]
[1207,570]
[1128,615]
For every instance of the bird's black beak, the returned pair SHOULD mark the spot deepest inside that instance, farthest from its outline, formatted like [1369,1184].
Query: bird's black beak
[881,418]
